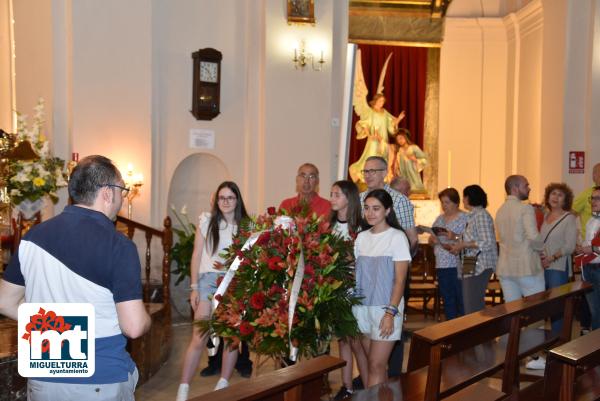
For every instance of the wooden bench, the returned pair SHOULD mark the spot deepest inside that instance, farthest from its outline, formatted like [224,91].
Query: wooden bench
[300,382]
[423,280]
[152,350]
[450,356]
[572,372]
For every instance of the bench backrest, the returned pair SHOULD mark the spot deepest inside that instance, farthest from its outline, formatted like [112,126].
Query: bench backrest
[273,385]
[465,332]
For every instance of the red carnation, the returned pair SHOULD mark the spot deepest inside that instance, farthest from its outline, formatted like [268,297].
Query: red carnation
[218,297]
[220,279]
[263,238]
[271,211]
[274,263]
[246,328]
[257,300]
[309,270]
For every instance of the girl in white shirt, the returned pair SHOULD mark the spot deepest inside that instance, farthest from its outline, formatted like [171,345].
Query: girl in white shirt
[214,234]
[346,221]
[382,257]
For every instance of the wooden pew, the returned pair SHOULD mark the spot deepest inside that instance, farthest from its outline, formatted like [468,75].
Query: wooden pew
[152,350]
[572,372]
[450,356]
[300,382]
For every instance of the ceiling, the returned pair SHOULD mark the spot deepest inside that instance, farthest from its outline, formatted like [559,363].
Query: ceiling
[406,8]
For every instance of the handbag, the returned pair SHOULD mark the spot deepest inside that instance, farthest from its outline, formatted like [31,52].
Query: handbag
[468,263]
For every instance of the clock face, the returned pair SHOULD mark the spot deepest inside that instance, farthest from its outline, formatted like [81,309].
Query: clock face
[209,72]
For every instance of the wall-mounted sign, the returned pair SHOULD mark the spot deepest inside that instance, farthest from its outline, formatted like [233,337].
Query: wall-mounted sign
[202,139]
[576,162]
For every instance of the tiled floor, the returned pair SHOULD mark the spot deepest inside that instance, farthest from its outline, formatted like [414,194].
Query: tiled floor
[163,386]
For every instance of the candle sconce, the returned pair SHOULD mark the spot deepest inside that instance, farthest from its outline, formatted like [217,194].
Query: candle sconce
[134,182]
[302,58]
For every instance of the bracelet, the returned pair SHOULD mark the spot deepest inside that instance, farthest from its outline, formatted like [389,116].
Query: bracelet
[391,310]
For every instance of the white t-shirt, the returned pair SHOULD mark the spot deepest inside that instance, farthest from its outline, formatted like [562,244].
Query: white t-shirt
[391,242]
[208,259]
[375,268]
[591,230]
[341,229]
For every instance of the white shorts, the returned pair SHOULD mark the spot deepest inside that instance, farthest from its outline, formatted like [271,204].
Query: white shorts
[369,317]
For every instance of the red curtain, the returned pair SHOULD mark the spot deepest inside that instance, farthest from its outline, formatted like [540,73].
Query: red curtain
[404,88]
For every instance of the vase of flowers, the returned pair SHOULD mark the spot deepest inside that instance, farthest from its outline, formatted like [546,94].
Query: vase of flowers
[256,305]
[31,182]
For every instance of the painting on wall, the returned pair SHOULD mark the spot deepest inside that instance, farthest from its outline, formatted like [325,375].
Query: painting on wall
[301,11]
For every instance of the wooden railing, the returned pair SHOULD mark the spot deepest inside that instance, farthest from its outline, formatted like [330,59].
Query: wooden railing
[152,350]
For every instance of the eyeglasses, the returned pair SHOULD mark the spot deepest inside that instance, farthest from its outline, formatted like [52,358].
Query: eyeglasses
[594,198]
[227,199]
[124,190]
[372,171]
[310,177]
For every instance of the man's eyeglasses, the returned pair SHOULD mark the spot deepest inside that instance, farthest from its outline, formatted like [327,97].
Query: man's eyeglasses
[372,171]
[310,177]
[227,199]
[594,198]
[124,190]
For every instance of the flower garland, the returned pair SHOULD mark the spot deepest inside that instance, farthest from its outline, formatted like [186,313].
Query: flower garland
[33,179]
[255,306]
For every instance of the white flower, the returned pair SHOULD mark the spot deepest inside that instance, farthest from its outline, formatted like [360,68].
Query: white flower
[15,192]
[184,209]
[21,177]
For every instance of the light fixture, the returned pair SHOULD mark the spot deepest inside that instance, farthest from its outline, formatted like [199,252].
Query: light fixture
[134,182]
[302,58]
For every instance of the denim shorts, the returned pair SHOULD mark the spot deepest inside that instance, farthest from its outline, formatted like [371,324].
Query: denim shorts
[207,285]
[369,317]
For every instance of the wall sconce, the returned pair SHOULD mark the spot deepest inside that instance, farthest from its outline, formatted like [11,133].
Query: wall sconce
[134,182]
[302,58]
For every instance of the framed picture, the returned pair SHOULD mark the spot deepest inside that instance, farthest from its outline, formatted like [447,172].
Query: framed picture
[301,11]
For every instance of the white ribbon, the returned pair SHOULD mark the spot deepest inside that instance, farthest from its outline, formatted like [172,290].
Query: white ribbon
[284,222]
[297,283]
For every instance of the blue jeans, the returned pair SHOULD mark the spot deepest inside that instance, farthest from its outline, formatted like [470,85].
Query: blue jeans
[516,287]
[591,272]
[556,278]
[451,291]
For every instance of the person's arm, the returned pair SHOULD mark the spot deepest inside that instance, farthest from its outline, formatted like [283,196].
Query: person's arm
[530,227]
[570,239]
[386,325]
[413,238]
[133,318]
[11,296]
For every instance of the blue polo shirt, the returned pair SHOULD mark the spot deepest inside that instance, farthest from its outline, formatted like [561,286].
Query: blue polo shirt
[79,256]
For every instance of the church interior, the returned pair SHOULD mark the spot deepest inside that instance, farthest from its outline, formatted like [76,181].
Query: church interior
[505,87]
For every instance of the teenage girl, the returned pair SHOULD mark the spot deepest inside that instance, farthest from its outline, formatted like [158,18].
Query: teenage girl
[346,220]
[214,233]
[382,257]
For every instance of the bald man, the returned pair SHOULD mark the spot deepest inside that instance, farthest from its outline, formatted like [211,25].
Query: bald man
[307,182]
[519,265]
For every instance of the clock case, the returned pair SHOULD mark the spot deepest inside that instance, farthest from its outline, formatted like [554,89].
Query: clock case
[206,96]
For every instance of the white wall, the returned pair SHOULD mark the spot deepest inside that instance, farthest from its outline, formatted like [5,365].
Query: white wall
[504,101]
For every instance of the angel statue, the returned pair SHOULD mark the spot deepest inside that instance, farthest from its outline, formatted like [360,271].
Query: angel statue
[407,160]
[375,124]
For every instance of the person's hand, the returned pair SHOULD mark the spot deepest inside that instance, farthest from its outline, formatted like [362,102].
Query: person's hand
[456,248]
[401,116]
[194,299]
[385,393]
[587,250]
[545,261]
[386,325]
[433,240]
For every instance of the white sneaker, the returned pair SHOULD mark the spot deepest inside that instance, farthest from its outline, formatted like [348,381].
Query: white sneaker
[536,364]
[222,383]
[182,392]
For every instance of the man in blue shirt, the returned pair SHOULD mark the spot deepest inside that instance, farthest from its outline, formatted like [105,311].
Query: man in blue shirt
[79,257]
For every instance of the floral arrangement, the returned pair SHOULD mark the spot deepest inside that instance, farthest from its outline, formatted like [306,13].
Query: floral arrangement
[255,306]
[31,180]
[181,253]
